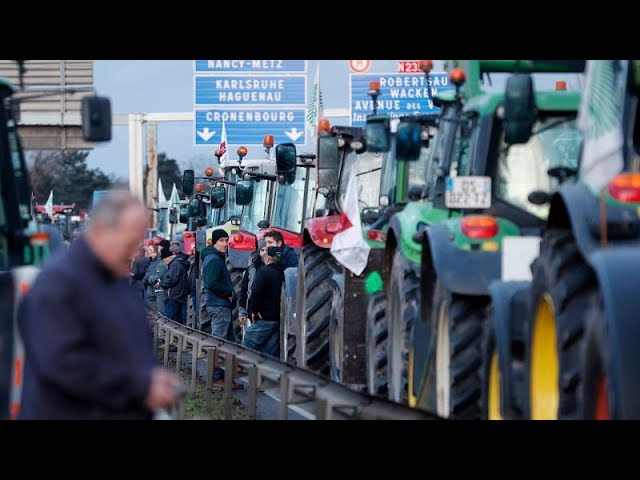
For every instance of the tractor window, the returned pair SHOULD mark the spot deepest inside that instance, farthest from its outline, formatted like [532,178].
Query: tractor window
[257,209]
[446,128]
[462,147]
[230,208]
[522,169]
[389,172]
[288,203]
[367,168]
[418,169]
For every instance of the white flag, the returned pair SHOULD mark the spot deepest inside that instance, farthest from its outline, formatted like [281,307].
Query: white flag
[224,147]
[314,107]
[162,200]
[349,246]
[49,205]
[174,198]
[600,120]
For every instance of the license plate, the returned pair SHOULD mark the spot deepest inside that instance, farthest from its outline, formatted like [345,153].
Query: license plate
[468,192]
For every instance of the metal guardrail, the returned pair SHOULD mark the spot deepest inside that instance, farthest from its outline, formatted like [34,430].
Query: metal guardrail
[290,385]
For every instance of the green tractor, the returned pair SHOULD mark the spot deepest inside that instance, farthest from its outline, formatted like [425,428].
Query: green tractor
[564,343]
[463,254]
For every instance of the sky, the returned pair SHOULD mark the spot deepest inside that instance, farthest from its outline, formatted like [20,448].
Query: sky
[167,86]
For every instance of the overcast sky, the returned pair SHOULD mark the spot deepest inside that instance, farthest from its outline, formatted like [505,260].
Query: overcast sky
[145,86]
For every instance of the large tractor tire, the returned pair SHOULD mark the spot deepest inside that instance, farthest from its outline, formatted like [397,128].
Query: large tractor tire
[563,289]
[316,287]
[490,371]
[459,320]
[377,335]
[403,308]
[287,338]
[336,334]
[596,398]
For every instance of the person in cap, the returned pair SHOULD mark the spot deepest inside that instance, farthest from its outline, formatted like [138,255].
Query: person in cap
[264,304]
[156,276]
[218,293]
[175,285]
[257,262]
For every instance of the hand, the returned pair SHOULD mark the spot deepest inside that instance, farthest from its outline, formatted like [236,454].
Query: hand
[164,391]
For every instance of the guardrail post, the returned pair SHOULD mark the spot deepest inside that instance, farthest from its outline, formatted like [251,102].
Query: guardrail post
[195,350]
[211,361]
[253,391]
[323,410]
[228,385]
[155,329]
[180,338]
[167,343]
[284,396]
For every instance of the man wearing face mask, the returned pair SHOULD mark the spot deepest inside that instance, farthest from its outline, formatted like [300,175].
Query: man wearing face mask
[83,362]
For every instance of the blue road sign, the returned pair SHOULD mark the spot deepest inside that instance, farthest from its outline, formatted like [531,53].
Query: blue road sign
[250,66]
[400,94]
[244,91]
[249,126]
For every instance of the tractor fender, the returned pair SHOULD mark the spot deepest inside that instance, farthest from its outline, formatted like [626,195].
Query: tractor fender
[616,270]
[460,271]
[575,207]
[509,301]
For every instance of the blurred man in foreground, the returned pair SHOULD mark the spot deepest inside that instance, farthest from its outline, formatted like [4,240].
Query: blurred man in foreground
[87,340]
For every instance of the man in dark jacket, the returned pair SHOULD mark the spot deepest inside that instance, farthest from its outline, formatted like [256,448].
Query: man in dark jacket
[248,277]
[176,286]
[218,292]
[264,304]
[274,238]
[138,269]
[84,362]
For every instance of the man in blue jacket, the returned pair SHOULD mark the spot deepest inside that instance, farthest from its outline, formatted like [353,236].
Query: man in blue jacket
[218,292]
[86,358]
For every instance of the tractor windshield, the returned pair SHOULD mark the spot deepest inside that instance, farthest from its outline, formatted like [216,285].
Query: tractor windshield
[366,167]
[523,169]
[230,208]
[256,211]
[288,207]
[389,180]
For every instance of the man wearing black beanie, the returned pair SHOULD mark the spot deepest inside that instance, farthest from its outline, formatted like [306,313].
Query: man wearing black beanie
[218,292]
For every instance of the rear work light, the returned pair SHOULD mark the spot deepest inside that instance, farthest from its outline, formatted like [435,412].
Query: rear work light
[377,236]
[479,226]
[625,187]
[333,226]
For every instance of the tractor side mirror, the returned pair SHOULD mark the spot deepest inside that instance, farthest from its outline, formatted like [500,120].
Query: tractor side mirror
[96,119]
[519,109]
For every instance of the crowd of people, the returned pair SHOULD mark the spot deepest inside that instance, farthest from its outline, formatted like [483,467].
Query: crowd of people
[164,276]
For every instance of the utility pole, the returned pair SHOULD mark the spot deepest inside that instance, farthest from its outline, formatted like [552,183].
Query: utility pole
[152,173]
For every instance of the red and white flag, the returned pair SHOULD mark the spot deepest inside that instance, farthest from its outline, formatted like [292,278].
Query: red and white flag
[349,246]
[224,158]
